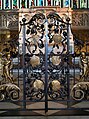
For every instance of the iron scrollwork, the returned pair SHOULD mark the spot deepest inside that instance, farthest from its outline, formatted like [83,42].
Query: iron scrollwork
[35,43]
[57,39]
[35,58]
[57,33]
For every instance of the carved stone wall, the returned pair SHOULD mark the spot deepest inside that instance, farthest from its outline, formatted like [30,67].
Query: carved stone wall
[80,25]
[80,19]
[9,20]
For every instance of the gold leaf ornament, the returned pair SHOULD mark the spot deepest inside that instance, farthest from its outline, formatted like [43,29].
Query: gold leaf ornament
[55,60]
[55,85]
[35,61]
[57,38]
[38,84]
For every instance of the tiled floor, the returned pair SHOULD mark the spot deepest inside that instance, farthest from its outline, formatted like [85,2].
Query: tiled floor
[47,117]
[40,105]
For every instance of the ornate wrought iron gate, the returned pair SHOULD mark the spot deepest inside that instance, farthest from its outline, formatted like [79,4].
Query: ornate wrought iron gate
[46,68]
[50,73]
[51,79]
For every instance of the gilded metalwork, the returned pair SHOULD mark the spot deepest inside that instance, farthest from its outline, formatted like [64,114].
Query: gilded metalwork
[80,91]
[55,60]
[55,85]
[7,67]
[9,91]
[84,65]
[57,38]
[34,61]
[35,88]
[8,88]
[8,52]
[1,68]
[38,84]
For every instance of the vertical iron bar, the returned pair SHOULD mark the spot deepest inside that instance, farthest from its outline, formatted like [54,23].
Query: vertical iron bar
[68,68]
[23,62]
[46,66]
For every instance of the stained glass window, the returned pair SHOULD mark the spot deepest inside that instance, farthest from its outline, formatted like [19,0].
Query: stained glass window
[75,4]
[57,2]
[23,5]
[35,3]
[83,3]
[66,3]
[40,2]
[6,4]
[14,4]
[49,2]
[28,3]
[32,2]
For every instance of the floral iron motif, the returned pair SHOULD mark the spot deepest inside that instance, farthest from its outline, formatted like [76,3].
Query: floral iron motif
[35,58]
[57,33]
